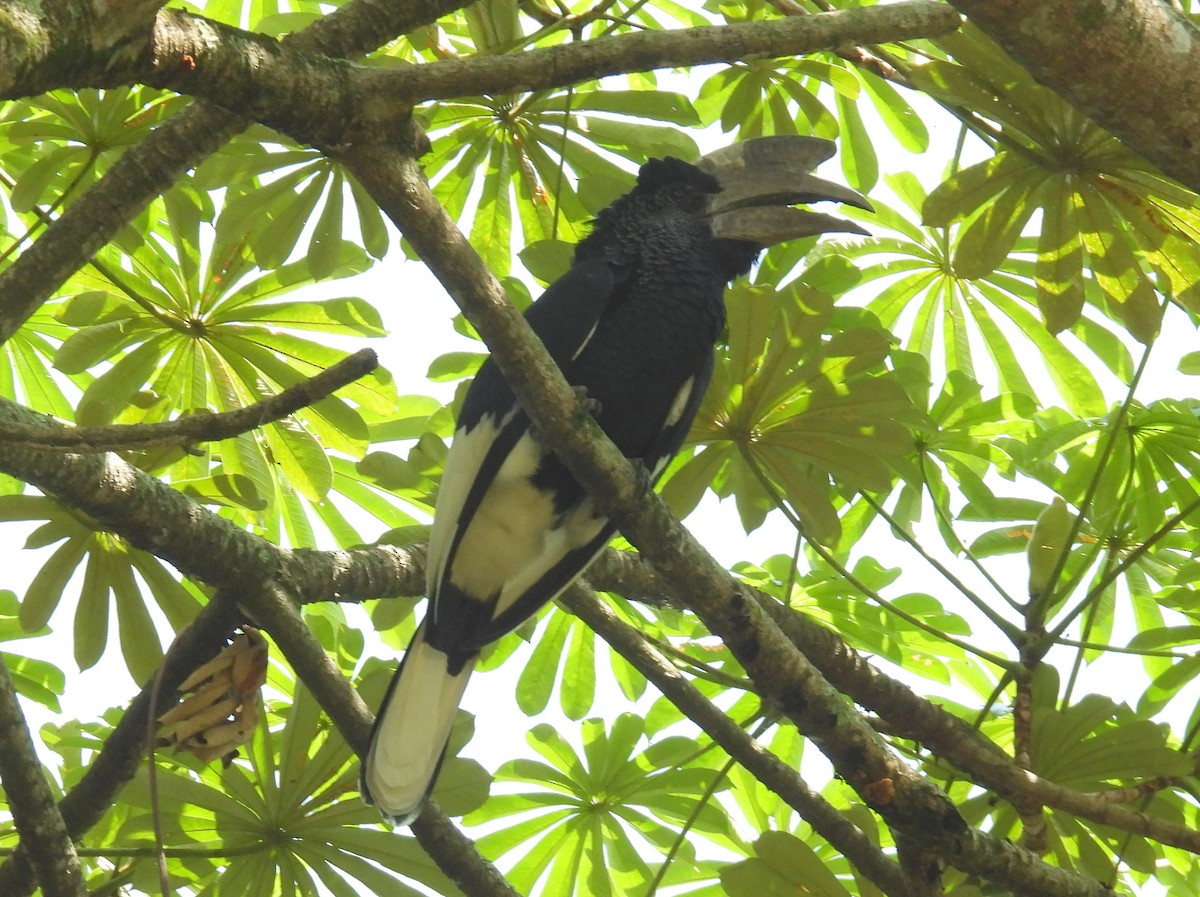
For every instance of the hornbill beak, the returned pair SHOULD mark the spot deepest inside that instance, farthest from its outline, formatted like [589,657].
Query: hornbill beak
[762,179]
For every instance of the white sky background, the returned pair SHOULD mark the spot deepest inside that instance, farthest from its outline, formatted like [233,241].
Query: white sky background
[417,312]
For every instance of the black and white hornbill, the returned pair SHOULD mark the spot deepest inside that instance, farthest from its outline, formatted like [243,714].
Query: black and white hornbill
[633,324]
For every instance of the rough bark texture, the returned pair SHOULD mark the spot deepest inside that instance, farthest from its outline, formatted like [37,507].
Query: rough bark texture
[1107,57]
[37,819]
[152,166]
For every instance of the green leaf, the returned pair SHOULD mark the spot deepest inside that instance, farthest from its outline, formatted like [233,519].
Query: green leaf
[902,120]
[112,391]
[578,691]
[346,315]
[659,105]
[785,866]
[139,639]
[537,679]
[799,409]
[91,617]
[985,241]
[856,151]
[324,252]
[1060,261]
[91,345]
[455,366]
[972,190]
[46,589]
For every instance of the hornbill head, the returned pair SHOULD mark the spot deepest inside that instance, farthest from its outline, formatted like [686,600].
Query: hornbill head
[762,179]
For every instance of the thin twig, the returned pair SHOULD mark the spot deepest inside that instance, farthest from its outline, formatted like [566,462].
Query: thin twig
[203,427]
[966,591]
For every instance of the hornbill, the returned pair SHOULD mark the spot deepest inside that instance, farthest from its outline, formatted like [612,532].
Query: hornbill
[632,325]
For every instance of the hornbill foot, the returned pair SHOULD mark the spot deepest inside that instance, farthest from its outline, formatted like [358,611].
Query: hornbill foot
[645,481]
[586,402]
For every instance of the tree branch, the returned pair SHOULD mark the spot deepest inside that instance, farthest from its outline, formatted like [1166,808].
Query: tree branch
[42,43]
[826,820]
[1105,59]
[28,794]
[908,714]
[150,514]
[125,748]
[202,427]
[140,508]
[150,167]
[155,517]
[323,101]
[455,854]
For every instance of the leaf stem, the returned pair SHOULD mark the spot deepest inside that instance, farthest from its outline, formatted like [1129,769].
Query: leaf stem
[844,572]
[1011,631]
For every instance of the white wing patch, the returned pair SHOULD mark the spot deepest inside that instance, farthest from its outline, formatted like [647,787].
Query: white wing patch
[572,531]
[587,339]
[508,530]
[681,402]
[516,535]
[462,467]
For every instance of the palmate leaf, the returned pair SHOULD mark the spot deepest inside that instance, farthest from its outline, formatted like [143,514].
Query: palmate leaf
[506,166]
[1145,482]
[784,866]
[35,679]
[1096,743]
[1103,210]
[111,571]
[540,675]
[60,142]
[24,367]
[564,660]
[578,836]
[1059,262]
[911,282]
[793,406]
[210,332]
[276,194]
[875,629]
[288,812]
[1141,487]
[763,96]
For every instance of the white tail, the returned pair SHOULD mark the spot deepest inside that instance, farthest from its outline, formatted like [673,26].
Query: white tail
[411,731]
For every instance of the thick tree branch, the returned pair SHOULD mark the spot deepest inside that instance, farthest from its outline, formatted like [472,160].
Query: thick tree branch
[204,546]
[381,572]
[147,512]
[791,683]
[150,167]
[45,44]
[328,102]
[153,516]
[28,795]
[1106,59]
[908,714]
[203,427]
